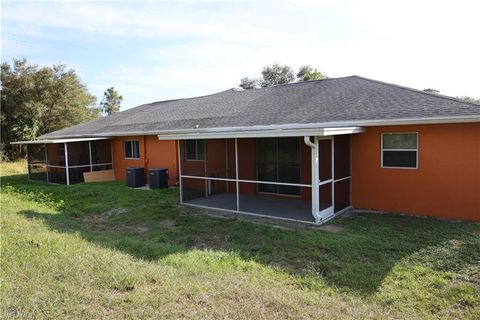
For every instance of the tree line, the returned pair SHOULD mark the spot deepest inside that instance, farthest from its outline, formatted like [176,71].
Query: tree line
[276,74]
[464,98]
[36,100]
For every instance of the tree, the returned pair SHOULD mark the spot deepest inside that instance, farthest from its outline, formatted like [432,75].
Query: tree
[470,100]
[307,73]
[111,101]
[248,83]
[36,100]
[276,74]
[429,90]
[464,98]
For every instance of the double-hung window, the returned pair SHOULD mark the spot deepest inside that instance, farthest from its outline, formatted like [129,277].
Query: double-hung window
[195,150]
[400,150]
[132,149]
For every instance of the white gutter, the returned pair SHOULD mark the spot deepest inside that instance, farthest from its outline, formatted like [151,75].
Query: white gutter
[261,133]
[315,179]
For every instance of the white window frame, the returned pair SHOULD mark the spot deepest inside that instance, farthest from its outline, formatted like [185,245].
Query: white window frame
[131,145]
[196,150]
[382,150]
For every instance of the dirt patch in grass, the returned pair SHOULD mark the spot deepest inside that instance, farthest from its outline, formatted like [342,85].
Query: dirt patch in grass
[140,229]
[97,221]
[200,242]
[100,222]
[100,219]
[167,223]
[116,211]
[331,228]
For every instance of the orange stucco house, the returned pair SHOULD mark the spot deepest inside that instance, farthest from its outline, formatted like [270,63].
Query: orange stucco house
[304,151]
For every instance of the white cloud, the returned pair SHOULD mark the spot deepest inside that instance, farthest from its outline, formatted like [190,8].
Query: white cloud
[194,48]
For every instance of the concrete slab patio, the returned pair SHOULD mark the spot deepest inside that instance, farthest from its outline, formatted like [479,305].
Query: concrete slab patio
[276,207]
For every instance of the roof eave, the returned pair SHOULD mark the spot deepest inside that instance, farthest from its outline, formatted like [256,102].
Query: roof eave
[286,132]
[59,140]
[313,126]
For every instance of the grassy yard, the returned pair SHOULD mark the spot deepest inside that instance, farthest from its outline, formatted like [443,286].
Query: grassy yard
[104,251]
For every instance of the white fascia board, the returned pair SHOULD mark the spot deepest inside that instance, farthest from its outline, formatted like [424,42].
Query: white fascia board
[412,121]
[59,140]
[261,133]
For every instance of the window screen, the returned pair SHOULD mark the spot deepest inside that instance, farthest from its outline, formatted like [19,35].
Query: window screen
[195,150]
[399,150]
[132,149]
[278,160]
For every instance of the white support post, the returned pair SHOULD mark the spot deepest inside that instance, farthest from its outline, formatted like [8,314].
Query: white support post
[236,175]
[90,154]
[66,163]
[180,172]
[315,177]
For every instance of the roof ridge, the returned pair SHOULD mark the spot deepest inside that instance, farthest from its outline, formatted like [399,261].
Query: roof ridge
[302,82]
[160,101]
[187,98]
[237,89]
[438,95]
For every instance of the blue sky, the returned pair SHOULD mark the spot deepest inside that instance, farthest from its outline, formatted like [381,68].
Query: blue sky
[154,51]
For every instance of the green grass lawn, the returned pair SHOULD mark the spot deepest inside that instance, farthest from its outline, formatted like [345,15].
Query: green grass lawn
[104,251]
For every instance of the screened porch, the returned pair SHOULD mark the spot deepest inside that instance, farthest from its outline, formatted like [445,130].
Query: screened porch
[269,176]
[65,161]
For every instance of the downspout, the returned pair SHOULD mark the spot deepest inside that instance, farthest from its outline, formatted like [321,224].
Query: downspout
[315,178]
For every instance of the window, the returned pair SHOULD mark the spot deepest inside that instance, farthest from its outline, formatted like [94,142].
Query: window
[399,150]
[195,150]
[278,160]
[132,149]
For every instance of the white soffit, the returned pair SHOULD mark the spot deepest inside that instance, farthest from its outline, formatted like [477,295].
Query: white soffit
[223,134]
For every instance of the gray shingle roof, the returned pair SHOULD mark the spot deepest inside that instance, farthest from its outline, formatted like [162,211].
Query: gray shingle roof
[348,100]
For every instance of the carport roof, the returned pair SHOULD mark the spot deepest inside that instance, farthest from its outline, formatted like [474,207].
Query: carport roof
[336,102]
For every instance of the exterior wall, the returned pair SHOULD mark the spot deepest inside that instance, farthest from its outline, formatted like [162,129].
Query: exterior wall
[446,183]
[154,153]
